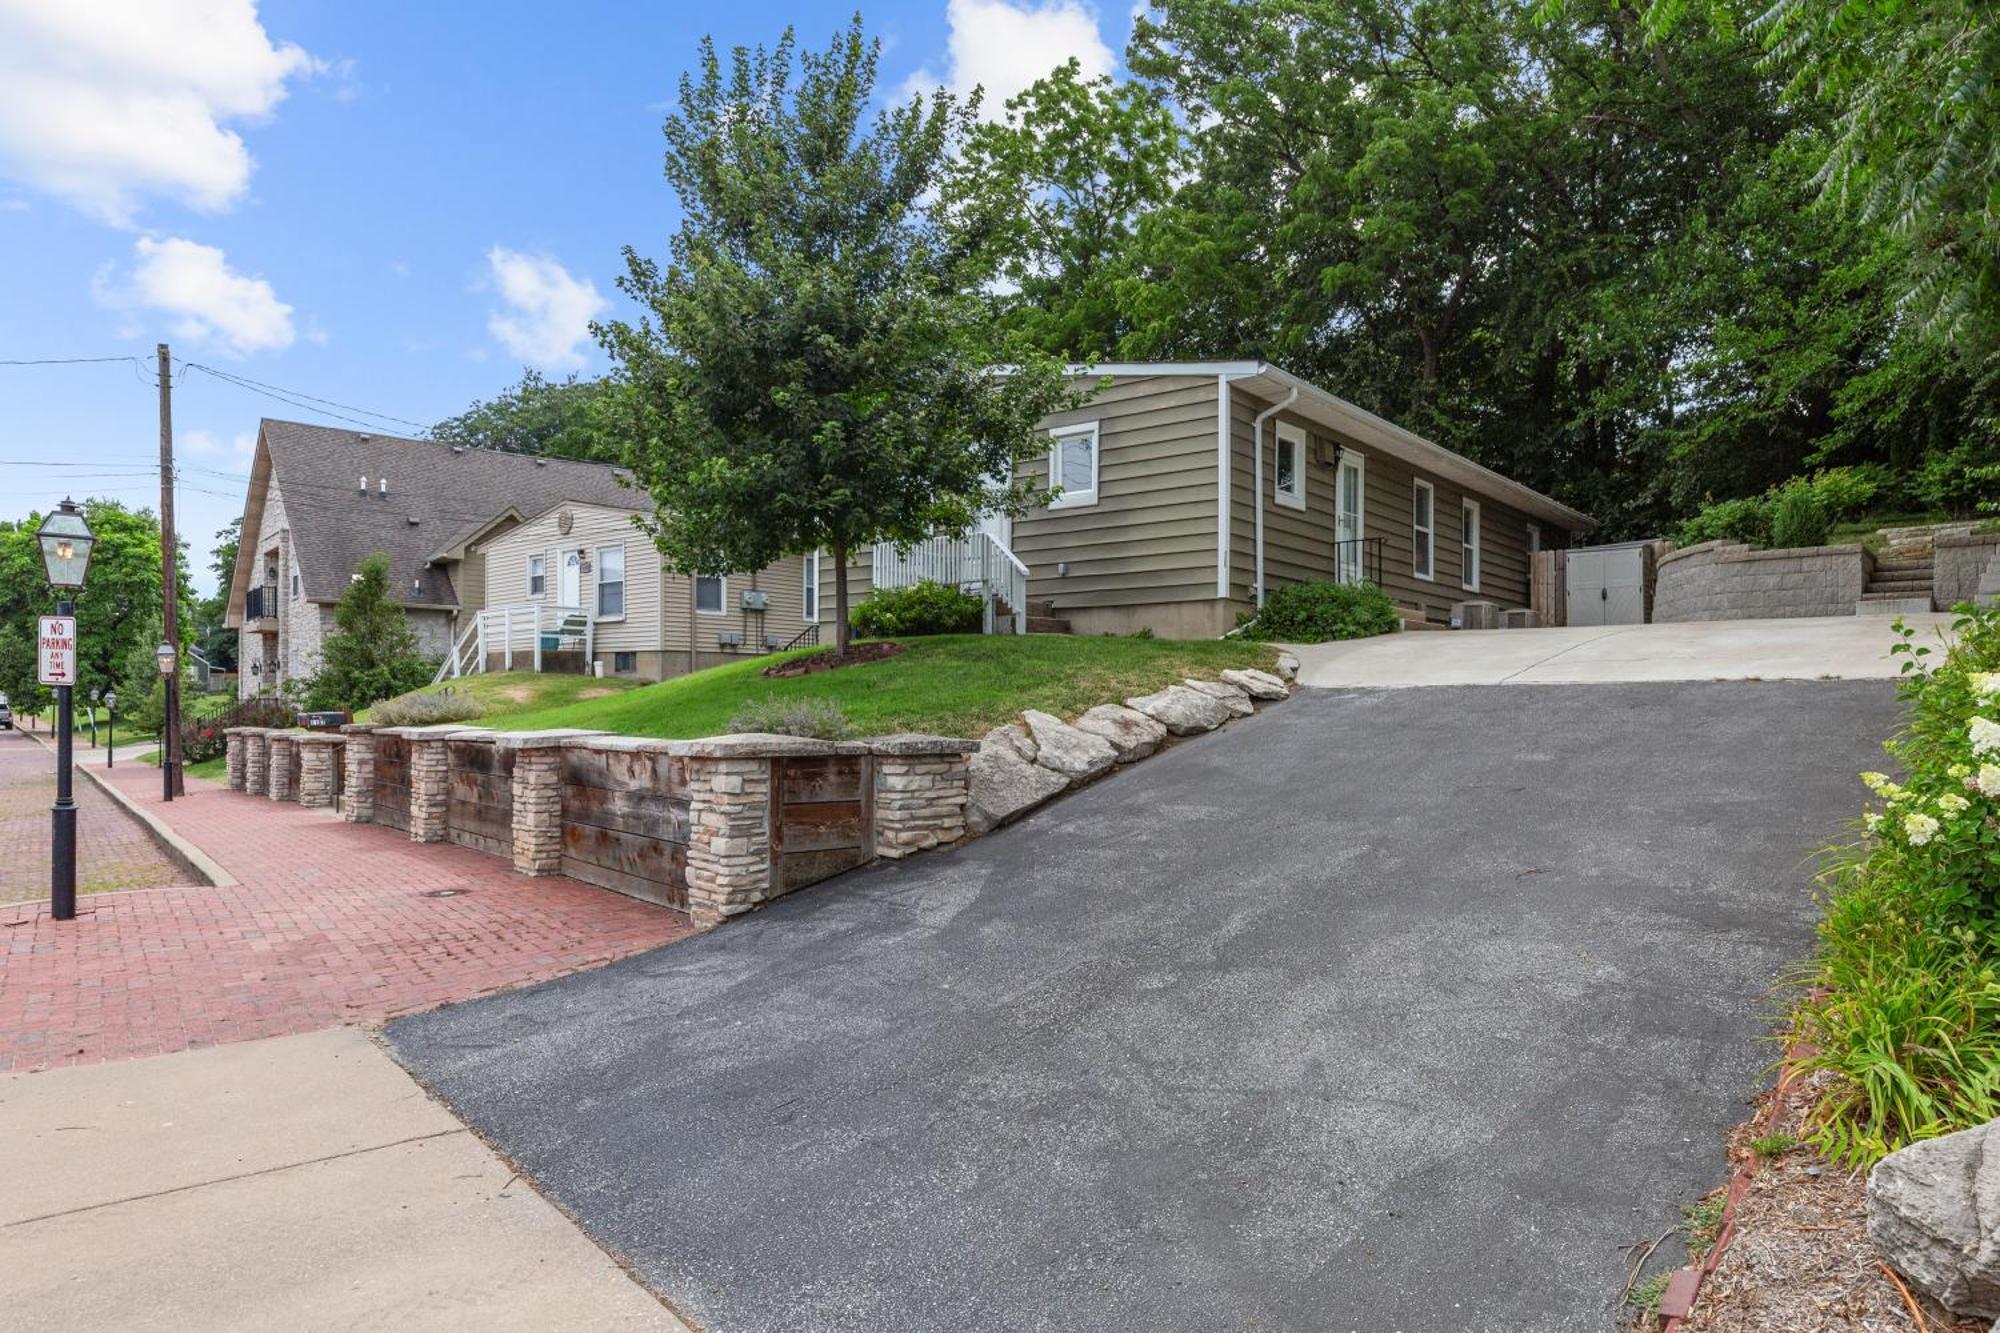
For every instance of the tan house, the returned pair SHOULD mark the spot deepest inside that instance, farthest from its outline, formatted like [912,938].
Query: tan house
[1186,488]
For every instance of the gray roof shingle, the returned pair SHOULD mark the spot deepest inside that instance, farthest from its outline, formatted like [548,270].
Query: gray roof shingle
[438,495]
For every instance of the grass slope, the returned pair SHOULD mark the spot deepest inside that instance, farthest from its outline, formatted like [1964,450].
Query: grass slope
[954,685]
[504,693]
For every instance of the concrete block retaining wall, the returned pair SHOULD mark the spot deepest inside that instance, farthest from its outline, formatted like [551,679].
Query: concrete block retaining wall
[1962,562]
[1729,581]
[716,826]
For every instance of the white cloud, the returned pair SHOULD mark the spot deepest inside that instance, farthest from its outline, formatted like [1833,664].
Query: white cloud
[238,448]
[546,312]
[102,104]
[208,302]
[1003,47]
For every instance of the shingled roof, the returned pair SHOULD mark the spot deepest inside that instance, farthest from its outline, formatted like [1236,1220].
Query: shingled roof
[438,495]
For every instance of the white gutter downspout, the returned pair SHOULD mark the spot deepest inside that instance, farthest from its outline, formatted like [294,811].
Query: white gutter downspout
[1257,446]
[1222,486]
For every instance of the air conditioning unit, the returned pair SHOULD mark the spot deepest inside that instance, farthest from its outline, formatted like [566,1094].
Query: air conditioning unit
[753,600]
[1475,615]
[1519,617]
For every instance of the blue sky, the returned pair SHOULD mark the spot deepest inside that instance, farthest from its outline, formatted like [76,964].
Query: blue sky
[393,206]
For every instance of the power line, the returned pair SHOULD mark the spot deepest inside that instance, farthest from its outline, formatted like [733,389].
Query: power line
[69,360]
[299,398]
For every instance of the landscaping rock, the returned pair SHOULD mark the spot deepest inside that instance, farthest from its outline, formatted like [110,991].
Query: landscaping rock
[1014,738]
[1074,753]
[1181,710]
[1131,733]
[1257,684]
[1229,696]
[1288,667]
[1934,1213]
[1005,786]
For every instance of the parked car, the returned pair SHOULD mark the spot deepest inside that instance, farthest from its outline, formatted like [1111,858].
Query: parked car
[6,718]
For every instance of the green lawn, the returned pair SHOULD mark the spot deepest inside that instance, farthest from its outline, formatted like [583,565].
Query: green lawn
[503,693]
[955,685]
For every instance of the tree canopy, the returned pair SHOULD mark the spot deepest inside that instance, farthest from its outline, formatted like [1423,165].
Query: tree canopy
[583,419]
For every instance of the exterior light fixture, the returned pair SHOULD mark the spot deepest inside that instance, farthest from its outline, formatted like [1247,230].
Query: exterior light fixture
[66,544]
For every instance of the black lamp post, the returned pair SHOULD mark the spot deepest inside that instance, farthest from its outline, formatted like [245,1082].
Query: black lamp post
[111,722]
[170,729]
[66,541]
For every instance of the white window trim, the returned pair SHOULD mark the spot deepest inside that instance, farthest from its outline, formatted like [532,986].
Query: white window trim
[1082,497]
[597,583]
[542,556]
[1429,534]
[1295,496]
[722,602]
[809,580]
[1476,566]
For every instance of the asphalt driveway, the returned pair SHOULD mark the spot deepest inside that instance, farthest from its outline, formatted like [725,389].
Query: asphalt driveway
[1380,1010]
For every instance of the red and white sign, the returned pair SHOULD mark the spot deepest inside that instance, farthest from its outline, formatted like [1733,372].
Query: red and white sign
[55,650]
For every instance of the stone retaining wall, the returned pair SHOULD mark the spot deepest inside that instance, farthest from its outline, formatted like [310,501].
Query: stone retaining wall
[319,784]
[1730,581]
[1962,562]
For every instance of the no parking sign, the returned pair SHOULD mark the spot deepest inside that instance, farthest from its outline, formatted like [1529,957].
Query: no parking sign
[55,650]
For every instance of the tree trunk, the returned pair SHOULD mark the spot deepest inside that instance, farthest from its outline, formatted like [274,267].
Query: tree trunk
[840,631]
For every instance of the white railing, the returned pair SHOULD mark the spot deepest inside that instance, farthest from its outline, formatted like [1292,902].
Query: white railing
[978,563]
[518,635]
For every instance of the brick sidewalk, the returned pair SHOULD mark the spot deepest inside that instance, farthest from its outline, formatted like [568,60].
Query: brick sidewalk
[114,851]
[331,923]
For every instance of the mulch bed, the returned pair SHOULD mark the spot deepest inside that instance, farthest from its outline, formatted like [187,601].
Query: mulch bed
[829,659]
[1798,1256]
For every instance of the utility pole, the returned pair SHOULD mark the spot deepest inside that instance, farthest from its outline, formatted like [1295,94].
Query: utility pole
[170,744]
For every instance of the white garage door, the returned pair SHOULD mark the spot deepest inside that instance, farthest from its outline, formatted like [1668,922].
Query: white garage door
[1607,585]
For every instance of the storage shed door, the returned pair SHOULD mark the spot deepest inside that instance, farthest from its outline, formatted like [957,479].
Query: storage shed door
[1607,586]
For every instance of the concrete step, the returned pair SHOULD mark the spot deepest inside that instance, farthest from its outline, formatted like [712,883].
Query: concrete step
[1047,625]
[1890,604]
[1911,566]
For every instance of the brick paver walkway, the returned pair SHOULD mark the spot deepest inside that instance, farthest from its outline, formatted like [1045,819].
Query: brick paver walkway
[332,923]
[113,850]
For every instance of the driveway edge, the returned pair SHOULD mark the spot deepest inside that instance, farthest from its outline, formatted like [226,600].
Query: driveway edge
[190,858]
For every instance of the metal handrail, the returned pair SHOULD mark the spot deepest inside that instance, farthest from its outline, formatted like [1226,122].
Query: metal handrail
[1358,560]
[805,638]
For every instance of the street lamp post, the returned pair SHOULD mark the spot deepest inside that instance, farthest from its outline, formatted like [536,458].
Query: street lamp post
[66,541]
[111,721]
[170,731]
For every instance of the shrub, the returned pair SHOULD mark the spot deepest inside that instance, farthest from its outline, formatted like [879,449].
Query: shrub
[1799,517]
[202,736]
[1902,1002]
[1315,612]
[1847,491]
[928,607]
[1743,520]
[422,708]
[821,719]
[372,653]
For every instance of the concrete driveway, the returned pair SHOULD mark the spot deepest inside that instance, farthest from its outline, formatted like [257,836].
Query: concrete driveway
[1829,647]
[1379,1010]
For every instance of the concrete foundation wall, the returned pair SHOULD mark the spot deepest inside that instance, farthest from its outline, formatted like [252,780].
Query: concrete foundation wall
[1728,581]
[1961,562]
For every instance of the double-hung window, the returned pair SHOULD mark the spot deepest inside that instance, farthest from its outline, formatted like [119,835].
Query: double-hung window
[1468,540]
[809,595]
[538,575]
[1423,530]
[610,582]
[709,592]
[1290,481]
[1073,465]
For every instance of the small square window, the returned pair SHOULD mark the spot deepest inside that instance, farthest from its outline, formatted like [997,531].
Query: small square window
[709,592]
[624,662]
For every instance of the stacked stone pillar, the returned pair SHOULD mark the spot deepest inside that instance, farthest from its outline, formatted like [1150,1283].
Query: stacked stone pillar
[922,785]
[256,760]
[278,765]
[233,739]
[430,779]
[729,826]
[538,762]
[357,804]
[319,758]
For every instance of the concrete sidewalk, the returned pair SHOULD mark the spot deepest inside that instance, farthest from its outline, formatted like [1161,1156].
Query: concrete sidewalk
[1821,648]
[300,1182]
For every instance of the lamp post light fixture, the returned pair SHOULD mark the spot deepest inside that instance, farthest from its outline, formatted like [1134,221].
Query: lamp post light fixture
[165,656]
[111,726]
[66,541]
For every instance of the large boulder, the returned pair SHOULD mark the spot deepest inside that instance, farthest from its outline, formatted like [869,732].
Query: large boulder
[1131,733]
[1074,753]
[1934,1213]
[1256,684]
[1229,696]
[1181,710]
[1014,738]
[1288,667]
[1005,786]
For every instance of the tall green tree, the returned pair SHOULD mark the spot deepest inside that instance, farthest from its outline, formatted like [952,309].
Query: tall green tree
[372,653]
[819,369]
[584,419]
[218,643]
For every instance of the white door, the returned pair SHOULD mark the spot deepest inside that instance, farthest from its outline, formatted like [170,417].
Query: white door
[569,583]
[1607,586]
[1347,525]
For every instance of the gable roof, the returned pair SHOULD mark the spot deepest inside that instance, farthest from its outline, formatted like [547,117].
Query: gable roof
[438,497]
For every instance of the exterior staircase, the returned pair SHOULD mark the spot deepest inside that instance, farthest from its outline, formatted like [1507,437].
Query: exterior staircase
[1042,619]
[1901,582]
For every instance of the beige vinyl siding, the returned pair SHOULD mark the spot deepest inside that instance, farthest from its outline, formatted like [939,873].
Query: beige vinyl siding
[1300,545]
[1150,538]
[859,585]
[506,572]
[468,580]
[783,581]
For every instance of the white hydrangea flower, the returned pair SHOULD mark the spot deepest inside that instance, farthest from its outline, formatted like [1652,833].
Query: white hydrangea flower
[1985,683]
[1985,736]
[1987,781]
[1874,781]
[1920,829]
[1952,803]
[1872,821]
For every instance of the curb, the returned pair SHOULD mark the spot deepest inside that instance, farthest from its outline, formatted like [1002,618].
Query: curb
[1684,1288]
[178,849]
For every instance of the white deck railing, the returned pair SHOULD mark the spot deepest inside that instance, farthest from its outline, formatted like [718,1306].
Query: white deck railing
[518,635]
[978,563]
